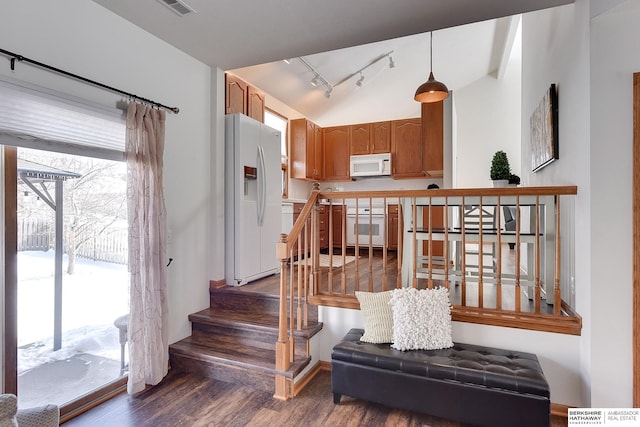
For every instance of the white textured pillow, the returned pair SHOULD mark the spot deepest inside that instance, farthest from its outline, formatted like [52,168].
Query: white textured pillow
[421,319]
[377,316]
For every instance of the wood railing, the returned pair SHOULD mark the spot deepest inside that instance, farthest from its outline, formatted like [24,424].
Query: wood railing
[498,251]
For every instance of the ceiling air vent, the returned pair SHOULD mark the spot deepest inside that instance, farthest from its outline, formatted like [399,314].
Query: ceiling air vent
[177,6]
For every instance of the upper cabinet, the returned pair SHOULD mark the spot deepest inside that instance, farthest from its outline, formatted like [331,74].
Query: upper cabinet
[360,139]
[416,146]
[235,95]
[306,150]
[433,135]
[255,104]
[406,149]
[370,138]
[380,137]
[241,97]
[336,153]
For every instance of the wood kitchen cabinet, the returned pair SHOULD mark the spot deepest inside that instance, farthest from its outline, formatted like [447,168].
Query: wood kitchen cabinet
[338,220]
[370,138]
[236,95]
[240,97]
[360,139]
[407,149]
[437,222]
[380,137]
[433,139]
[336,153]
[416,146]
[306,152]
[323,220]
[392,227]
[255,104]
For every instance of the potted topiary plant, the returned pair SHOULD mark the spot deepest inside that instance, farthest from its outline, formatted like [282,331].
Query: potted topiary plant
[500,169]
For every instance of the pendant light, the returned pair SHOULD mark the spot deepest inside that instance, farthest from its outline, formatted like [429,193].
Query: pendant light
[431,90]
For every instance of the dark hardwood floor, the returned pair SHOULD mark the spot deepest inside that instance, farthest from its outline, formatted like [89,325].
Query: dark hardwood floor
[183,399]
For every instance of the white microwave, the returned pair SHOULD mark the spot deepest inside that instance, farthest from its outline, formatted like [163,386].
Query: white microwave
[370,165]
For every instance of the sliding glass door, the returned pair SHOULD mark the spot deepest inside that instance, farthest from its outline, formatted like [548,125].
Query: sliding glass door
[72,280]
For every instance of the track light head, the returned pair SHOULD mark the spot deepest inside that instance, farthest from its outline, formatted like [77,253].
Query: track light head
[315,81]
[391,63]
[360,80]
[327,93]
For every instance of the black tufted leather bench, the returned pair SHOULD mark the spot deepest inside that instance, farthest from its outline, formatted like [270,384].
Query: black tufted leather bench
[467,383]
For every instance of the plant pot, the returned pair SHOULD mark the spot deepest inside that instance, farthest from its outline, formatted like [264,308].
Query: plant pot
[500,183]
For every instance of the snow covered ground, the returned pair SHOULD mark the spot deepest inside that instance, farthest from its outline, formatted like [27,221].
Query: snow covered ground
[92,299]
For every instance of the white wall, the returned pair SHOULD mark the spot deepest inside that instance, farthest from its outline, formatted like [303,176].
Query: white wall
[104,47]
[555,49]
[216,177]
[592,63]
[488,120]
[614,59]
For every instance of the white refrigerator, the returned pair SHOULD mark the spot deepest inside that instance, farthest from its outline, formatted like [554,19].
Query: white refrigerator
[253,196]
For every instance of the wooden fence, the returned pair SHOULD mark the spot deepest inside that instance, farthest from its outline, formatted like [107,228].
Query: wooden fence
[35,235]
[39,235]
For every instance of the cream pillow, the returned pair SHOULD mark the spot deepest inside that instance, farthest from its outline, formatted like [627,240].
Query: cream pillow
[377,316]
[421,319]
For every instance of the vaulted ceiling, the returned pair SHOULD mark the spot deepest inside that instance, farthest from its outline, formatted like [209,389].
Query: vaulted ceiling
[337,38]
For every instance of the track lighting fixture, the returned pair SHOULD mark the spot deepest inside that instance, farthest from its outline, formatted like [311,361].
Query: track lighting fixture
[318,80]
[431,90]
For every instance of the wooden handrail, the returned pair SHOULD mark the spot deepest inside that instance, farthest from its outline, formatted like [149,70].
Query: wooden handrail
[562,190]
[284,248]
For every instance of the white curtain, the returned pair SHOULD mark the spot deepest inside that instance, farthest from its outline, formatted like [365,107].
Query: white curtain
[148,336]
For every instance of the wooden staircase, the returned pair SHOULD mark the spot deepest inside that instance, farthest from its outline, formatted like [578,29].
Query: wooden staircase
[234,340]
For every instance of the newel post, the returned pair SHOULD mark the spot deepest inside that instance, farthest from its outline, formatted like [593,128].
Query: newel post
[283,389]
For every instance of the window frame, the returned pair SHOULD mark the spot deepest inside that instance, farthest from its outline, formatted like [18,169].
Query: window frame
[284,164]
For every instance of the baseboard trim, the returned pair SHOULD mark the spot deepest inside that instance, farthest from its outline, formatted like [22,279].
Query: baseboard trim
[299,385]
[216,284]
[560,410]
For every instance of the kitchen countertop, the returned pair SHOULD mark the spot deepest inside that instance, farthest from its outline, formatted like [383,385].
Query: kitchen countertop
[294,201]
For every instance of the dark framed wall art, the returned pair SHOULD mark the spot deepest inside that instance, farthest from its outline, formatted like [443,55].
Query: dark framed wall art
[544,130]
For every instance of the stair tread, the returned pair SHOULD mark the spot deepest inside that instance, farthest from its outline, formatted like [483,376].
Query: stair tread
[246,356]
[255,321]
[235,339]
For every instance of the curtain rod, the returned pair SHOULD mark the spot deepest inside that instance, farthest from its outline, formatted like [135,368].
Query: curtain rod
[20,58]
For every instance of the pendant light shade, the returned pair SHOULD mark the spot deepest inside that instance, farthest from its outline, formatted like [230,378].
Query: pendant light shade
[431,90]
